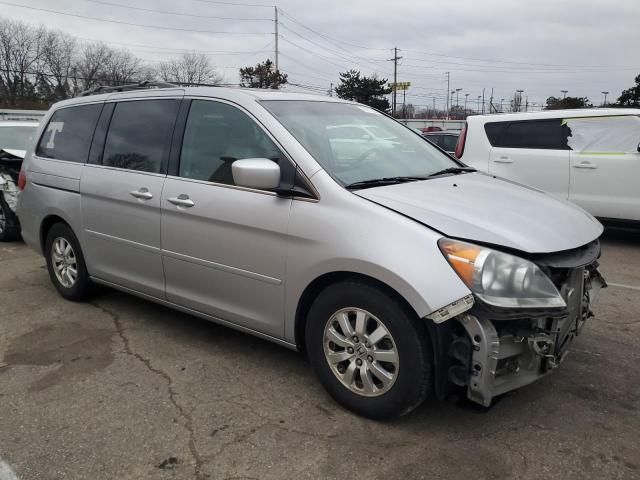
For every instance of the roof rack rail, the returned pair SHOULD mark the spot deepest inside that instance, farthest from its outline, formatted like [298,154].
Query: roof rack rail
[126,87]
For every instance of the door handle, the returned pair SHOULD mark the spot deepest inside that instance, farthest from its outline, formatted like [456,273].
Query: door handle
[182,200]
[142,193]
[503,159]
[588,165]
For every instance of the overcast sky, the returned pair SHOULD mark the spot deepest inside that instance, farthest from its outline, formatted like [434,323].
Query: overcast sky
[541,47]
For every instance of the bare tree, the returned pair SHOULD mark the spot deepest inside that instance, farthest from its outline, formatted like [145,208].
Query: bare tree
[189,68]
[121,67]
[58,63]
[89,66]
[20,54]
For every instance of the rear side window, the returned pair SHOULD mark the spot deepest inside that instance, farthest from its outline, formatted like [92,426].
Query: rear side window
[69,133]
[537,134]
[139,135]
[494,132]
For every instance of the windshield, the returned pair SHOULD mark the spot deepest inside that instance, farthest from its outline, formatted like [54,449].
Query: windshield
[354,143]
[16,138]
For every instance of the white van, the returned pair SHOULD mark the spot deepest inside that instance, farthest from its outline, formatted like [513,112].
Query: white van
[590,157]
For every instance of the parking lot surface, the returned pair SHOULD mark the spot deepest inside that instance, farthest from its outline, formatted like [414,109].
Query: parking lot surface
[121,388]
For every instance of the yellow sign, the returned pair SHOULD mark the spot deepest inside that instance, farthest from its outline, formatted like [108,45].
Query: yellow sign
[400,86]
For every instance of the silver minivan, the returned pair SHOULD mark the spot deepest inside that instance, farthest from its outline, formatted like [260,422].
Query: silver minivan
[399,271]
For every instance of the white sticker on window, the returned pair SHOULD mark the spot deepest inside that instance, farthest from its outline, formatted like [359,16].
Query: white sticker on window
[612,134]
[53,128]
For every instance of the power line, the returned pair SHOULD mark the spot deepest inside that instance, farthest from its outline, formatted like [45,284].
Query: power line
[326,37]
[327,59]
[302,64]
[510,62]
[325,48]
[166,12]
[179,50]
[131,24]
[262,5]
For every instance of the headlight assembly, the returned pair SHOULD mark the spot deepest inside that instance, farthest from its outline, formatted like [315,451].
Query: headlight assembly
[500,279]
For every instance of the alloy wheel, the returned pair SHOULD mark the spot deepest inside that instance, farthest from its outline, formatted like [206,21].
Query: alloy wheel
[64,262]
[361,352]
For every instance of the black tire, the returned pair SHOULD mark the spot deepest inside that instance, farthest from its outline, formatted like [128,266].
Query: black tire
[413,381]
[81,288]
[9,225]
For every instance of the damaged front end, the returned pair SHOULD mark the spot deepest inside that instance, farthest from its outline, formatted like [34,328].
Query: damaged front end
[490,350]
[10,163]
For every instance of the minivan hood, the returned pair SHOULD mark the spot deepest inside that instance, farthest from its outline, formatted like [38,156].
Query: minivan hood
[479,207]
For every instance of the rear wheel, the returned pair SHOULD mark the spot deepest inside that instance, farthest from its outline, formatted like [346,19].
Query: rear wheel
[65,263]
[9,226]
[368,350]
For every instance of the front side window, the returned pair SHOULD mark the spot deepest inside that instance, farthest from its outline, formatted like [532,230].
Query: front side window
[69,133]
[354,143]
[215,136]
[139,135]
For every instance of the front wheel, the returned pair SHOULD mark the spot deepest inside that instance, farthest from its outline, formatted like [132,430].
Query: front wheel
[369,350]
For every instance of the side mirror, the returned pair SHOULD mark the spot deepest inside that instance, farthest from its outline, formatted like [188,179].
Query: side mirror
[260,173]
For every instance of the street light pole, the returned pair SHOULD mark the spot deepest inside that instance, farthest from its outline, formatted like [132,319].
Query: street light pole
[501,110]
[451,104]
[479,97]
[466,96]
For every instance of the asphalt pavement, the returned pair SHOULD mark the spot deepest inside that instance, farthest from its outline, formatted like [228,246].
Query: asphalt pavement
[121,388]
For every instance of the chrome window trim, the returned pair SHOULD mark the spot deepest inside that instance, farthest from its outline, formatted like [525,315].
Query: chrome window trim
[108,167]
[224,185]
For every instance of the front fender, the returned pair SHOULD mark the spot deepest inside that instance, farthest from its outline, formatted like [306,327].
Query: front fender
[367,239]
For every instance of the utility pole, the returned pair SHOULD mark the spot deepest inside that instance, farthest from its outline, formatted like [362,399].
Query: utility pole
[434,106]
[276,34]
[448,81]
[526,103]
[605,98]
[564,93]
[517,100]
[466,96]
[501,110]
[479,97]
[483,101]
[395,80]
[331,89]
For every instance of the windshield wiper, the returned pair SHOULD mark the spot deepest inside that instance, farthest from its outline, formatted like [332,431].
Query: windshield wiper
[376,182]
[453,170]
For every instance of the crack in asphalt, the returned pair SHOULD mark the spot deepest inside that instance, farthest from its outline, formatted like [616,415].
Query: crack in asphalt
[188,420]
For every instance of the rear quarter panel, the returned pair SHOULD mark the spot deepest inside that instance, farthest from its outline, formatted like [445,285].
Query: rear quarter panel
[477,149]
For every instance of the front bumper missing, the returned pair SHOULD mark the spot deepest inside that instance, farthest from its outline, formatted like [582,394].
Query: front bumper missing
[509,354]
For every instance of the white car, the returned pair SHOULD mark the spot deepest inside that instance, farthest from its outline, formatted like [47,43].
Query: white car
[590,157]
